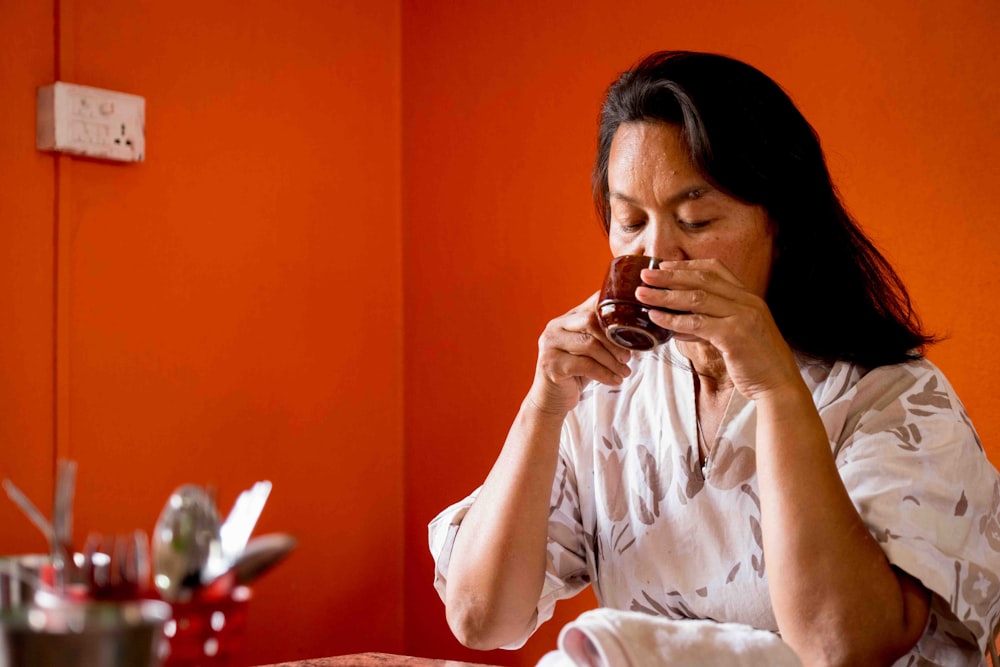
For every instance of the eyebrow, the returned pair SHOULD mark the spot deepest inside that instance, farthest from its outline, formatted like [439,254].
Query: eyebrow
[693,192]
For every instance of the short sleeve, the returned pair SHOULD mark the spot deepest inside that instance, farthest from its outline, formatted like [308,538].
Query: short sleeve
[441,533]
[566,572]
[914,468]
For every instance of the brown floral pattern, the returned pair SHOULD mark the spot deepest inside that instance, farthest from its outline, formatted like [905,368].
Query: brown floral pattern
[989,523]
[633,514]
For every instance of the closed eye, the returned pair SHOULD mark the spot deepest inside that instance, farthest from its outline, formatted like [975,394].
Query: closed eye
[630,227]
[693,225]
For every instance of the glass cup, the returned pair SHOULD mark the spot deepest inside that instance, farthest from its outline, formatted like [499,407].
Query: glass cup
[623,318]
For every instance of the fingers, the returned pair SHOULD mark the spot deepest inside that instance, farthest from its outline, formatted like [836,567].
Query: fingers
[696,286]
[724,332]
[574,346]
[712,305]
[574,354]
[708,301]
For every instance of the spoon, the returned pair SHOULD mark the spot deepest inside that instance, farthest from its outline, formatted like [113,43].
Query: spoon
[185,537]
[261,554]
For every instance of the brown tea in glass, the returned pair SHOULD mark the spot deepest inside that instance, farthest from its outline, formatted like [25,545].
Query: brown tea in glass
[624,319]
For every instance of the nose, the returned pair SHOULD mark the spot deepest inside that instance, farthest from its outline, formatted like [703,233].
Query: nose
[662,239]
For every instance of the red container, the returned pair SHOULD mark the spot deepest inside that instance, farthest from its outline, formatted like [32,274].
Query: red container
[206,633]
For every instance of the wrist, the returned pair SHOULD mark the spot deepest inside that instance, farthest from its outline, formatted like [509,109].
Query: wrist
[785,395]
[548,400]
[540,406]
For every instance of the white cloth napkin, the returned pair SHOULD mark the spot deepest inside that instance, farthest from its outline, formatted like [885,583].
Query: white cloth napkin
[614,638]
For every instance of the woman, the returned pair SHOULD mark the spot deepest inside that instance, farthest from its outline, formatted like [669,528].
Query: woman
[789,460]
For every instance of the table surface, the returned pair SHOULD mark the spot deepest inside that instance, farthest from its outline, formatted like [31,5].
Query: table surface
[376,660]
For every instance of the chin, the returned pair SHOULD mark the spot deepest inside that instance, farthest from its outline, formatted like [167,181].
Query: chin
[688,338]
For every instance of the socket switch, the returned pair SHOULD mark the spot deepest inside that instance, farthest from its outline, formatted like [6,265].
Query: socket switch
[97,123]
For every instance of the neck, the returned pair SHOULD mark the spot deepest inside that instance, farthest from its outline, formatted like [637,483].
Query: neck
[708,365]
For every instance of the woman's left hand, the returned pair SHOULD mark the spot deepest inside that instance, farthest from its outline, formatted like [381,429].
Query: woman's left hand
[716,308]
[823,564]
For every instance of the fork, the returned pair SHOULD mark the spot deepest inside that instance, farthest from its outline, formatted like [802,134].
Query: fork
[116,567]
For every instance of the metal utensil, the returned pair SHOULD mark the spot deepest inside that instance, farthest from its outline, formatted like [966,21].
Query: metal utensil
[60,632]
[20,579]
[29,509]
[240,522]
[185,537]
[236,530]
[260,555]
[62,520]
[116,567]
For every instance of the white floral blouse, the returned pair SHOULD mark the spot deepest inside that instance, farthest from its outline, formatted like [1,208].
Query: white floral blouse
[633,514]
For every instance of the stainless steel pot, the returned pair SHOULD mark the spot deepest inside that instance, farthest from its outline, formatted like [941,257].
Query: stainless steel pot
[63,633]
[19,578]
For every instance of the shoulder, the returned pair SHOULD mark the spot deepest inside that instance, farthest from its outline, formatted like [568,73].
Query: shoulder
[911,405]
[908,404]
[918,385]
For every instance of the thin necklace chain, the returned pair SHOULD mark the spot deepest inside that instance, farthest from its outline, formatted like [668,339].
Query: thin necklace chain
[702,440]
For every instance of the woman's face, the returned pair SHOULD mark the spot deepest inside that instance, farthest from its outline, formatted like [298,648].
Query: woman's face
[663,207]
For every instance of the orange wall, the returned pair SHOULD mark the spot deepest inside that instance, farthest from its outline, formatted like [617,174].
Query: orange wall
[188,326]
[227,310]
[499,120]
[26,265]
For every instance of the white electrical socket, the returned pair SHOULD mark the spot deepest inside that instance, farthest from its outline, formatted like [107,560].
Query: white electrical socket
[97,123]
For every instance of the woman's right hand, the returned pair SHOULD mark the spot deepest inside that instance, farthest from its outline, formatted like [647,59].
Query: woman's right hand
[496,571]
[573,351]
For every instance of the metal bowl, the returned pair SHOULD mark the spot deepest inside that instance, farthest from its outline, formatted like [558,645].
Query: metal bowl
[19,577]
[64,633]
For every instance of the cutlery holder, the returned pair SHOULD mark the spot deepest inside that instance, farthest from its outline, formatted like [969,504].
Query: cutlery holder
[207,633]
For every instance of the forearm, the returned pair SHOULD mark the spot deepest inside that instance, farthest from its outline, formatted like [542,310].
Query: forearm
[497,566]
[836,598]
